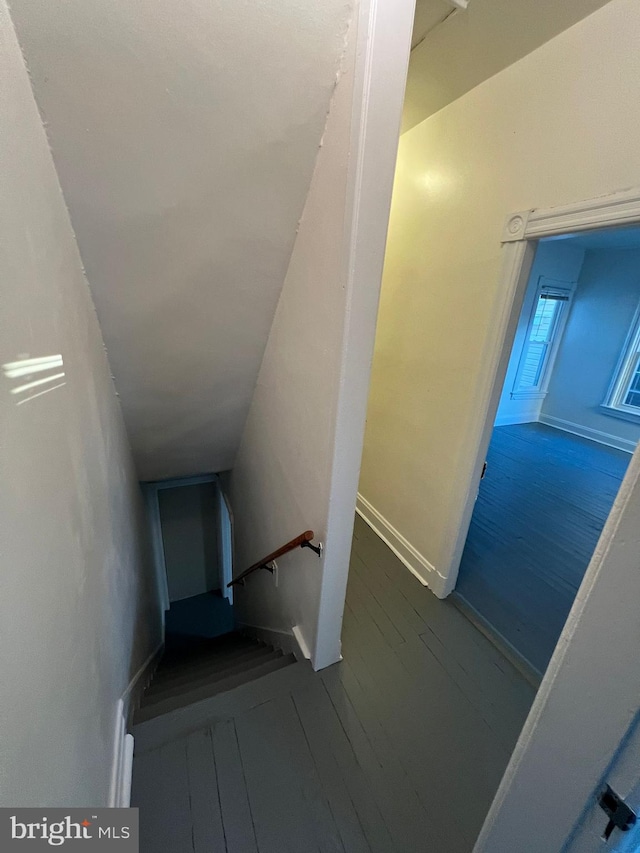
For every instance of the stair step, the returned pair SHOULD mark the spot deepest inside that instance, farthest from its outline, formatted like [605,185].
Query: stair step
[163,729]
[208,669]
[208,689]
[179,649]
[205,680]
[178,665]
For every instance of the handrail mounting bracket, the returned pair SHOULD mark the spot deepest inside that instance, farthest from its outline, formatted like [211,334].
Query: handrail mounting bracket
[317,548]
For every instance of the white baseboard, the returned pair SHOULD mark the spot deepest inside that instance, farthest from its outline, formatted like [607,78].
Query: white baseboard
[140,681]
[286,641]
[122,763]
[290,642]
[122,767]
[417,564]
[302,643]
[587,432]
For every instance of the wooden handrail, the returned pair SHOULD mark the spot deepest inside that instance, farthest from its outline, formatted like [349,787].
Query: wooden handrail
[302,541]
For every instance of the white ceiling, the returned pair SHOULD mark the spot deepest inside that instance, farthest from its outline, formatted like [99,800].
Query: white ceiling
[185,136]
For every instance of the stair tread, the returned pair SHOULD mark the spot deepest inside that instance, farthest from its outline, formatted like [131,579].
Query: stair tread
[202,662]
[180,646]
[203,673]
[208,689]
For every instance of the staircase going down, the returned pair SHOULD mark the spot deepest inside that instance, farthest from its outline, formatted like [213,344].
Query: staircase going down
[194,669]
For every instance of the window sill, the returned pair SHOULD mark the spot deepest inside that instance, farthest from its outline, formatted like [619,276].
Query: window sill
[621,414]
[528,395]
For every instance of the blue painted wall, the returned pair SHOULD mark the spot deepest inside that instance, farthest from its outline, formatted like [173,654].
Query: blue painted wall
[604,306]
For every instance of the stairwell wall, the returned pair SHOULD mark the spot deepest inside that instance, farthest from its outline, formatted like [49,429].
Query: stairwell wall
[298,463]
[78,607]
[279,485]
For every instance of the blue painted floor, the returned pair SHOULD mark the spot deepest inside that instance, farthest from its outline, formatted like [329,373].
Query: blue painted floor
[540,511]
[207,615]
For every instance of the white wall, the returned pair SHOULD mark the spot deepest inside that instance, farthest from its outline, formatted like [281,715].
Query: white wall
[298,462]
[558,126]
[556,260]
[604,306]
[279,485]
[77,607]
[189,523]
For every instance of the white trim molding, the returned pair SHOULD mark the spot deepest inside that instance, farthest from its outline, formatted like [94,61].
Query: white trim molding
[150,491]
[614,404]
[122,767]
[383,47]
[620,414]
[290,642]
[302,644]
[528,395]
[416,562]
[122,762]
[521,232]
[285,641]
[157,549]
[587,432]
[621,208]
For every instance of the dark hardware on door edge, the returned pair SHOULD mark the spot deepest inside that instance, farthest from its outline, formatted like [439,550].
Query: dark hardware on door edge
[620,815]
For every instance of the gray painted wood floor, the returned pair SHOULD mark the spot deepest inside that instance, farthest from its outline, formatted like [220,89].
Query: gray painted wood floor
[398,749]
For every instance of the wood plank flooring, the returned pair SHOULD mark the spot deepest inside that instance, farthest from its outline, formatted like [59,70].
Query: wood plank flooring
[398,749]
[539,513]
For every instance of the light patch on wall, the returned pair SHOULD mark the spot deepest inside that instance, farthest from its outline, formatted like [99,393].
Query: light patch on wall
[25,368]
[435,182]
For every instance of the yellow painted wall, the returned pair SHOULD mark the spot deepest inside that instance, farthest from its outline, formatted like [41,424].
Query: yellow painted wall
[560,125]
[475,43]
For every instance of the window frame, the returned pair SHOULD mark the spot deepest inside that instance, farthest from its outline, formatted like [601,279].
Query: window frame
[566,289]
[623,375]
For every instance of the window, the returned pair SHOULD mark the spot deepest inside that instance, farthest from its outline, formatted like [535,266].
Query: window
[624,395]
[543,335]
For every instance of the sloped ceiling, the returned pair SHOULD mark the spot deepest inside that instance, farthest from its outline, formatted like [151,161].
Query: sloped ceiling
[428,14]
[473,44]
[185,136]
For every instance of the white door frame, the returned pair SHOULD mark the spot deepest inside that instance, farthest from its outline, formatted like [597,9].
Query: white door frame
[590,693]
[585,709]
[150,491]
[226,549]
[521,232]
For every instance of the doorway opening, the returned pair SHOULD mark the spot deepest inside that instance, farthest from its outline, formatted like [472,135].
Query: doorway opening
[191,528]
[567,422]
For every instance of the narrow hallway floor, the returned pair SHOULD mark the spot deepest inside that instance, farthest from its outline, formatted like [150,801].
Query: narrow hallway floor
[539,513]
[206,615]
[398,749]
